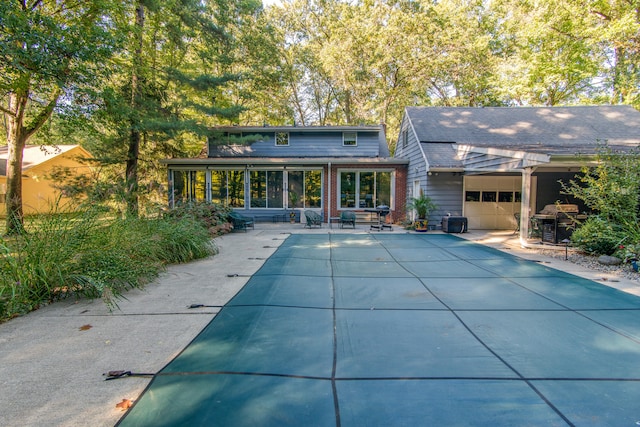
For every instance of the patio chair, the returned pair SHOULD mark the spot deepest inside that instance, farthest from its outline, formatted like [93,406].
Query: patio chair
[347,218]
[241,222]
[313,219]
[517,218]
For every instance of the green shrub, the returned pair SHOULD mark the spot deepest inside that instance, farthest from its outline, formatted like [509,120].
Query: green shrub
[214,216]
[597,236]
[85,254]
[628,252]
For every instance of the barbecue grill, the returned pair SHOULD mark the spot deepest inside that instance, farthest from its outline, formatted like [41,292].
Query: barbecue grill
[381,214]
[558,222]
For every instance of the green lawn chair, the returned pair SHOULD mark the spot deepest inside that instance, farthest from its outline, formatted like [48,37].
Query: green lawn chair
[347,218]
[240,222]
[313,219]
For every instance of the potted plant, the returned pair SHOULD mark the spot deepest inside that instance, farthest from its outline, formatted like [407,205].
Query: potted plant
[293,199]
[423,205]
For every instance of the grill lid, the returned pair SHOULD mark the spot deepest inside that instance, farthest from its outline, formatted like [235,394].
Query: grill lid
[555,209]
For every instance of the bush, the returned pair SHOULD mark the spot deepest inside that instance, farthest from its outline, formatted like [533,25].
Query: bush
[597,236]
[85,254]
[212,215]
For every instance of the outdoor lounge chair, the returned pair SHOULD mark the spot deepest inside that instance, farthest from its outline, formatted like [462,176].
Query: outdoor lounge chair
[313,219]
[347,218]
[240,222]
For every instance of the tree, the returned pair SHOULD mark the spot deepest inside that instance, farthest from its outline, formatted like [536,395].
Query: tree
[612,188]
[168,86]
[46,48]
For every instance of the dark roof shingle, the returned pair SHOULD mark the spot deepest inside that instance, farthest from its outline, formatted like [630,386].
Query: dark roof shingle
[545,130]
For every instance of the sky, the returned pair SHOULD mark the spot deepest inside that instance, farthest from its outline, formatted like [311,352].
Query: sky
[266,3]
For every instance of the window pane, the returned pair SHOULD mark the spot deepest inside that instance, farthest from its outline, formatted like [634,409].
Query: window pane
[505,196]
[235,188]
[367,189]
[348,190]
[180,180]
[274,188]
[472,196]
[282,138]
[219,187]
[383,188]
[313,189]
[296,186]
[349,138]
[488,196]
[199,186]
[258,185]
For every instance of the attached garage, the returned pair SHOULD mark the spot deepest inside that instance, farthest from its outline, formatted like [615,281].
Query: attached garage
[490,202]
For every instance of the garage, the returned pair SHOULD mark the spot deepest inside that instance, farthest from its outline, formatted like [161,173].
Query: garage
[490,202]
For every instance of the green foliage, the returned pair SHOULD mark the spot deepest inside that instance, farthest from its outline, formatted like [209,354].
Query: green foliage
[212,215]
[422,204]
[597,236]
[612,189]
[628,252]
[87,255]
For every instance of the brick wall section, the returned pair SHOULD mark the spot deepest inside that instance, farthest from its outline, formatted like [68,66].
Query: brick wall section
[397,214]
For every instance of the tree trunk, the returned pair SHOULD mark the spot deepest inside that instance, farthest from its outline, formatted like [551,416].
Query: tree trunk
[135,135]
[16,142]
[17,136]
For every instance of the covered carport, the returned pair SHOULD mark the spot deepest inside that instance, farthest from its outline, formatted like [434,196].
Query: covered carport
[488,164]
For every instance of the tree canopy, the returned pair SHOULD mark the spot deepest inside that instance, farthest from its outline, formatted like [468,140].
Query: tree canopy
[139,80]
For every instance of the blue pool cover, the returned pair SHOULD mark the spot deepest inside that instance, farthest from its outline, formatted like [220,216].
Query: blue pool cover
[405,330]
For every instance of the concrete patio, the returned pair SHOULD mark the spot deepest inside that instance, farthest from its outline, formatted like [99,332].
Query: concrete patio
[52,361]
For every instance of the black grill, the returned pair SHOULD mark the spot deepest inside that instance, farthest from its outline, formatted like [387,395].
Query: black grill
[557,222]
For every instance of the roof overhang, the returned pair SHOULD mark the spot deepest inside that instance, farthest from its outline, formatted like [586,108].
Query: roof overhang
[283,161]
[262,129]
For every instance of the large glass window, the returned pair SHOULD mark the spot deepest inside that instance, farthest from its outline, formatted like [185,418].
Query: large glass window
[296,189]
[258,186]
[266,189]
[383,188]
[313,189]
[274,189]
[348,190]
[189,186]
[307,187]
[227,187]
[365,189]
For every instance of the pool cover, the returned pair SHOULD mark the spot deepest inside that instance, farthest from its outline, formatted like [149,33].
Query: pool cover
[405,330]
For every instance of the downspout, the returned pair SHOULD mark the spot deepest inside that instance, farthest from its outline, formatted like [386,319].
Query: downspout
[329,195]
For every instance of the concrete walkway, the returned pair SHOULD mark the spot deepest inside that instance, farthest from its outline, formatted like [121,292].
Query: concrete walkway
[52,361]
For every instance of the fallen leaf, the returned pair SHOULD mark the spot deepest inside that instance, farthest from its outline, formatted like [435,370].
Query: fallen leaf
[125,404]
[85,327]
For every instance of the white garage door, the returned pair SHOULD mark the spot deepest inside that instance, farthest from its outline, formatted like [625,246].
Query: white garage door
[491,201]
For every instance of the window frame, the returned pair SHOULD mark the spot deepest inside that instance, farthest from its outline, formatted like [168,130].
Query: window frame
[354,139]
[278,141]
[356,200]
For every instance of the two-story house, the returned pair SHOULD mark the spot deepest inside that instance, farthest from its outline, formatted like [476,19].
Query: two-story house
[326,169]
[494,165]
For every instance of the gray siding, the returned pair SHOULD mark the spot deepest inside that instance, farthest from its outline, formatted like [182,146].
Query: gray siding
[417,166]
[446,191]
[304,143]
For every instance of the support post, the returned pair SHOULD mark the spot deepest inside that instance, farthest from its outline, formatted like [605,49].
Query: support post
[525,205]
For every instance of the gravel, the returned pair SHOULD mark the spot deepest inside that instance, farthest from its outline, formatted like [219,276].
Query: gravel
[591,262]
